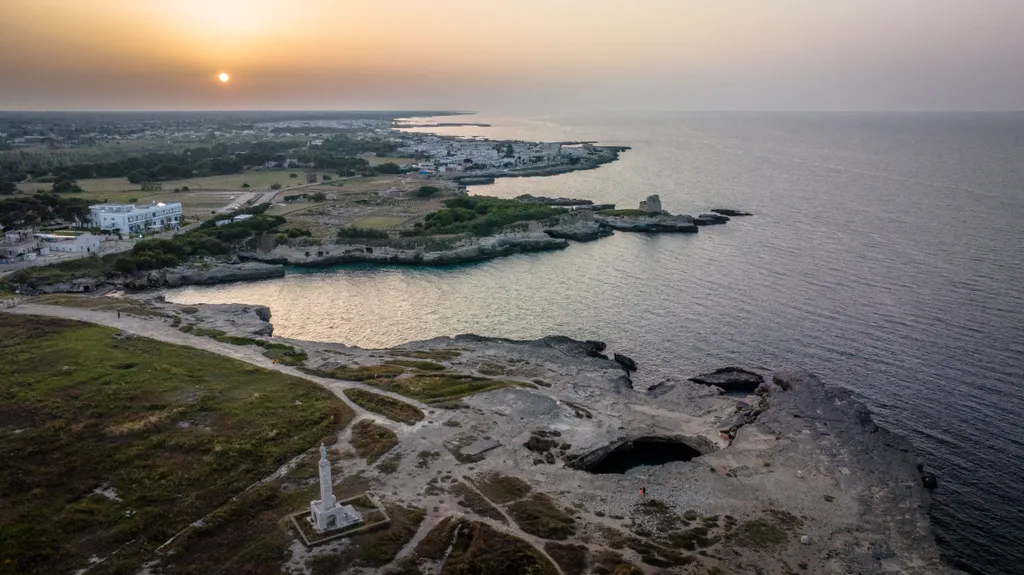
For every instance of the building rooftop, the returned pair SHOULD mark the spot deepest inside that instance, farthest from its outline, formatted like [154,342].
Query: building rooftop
[122,208]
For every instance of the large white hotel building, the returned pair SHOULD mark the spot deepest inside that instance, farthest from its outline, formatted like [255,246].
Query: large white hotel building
[129,218]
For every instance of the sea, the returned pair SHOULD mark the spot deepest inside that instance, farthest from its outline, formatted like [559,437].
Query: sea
[885,253]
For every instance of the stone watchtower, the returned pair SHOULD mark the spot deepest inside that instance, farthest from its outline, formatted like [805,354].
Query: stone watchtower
[651,205]
[325,513]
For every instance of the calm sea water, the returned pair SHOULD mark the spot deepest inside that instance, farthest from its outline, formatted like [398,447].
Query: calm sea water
[886,254]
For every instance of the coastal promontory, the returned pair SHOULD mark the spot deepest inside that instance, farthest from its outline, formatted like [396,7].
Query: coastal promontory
[483,454]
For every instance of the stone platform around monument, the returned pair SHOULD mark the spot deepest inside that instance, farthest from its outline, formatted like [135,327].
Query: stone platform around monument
[374,515]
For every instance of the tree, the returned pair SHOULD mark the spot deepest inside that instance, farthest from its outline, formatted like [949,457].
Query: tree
[427,191]
[328,177]
[66,185]
[245,185]
[388,168]
[293,175]
[184,188]
[275,186]
[319,197]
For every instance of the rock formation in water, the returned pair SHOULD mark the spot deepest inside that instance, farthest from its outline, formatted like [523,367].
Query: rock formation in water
[663,223]
[731,379]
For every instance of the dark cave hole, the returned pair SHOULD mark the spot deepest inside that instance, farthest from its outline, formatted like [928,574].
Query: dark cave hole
[644,451]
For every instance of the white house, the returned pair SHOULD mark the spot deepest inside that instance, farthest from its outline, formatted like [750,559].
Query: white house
[18,244]
[86,242]
[129,218]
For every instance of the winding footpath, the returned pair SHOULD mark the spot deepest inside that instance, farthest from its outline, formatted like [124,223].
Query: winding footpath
[161,329]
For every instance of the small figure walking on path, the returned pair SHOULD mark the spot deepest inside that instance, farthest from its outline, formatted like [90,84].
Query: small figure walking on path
[118,315]
[643,491]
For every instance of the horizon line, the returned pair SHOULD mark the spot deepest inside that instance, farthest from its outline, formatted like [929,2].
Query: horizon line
[473,112]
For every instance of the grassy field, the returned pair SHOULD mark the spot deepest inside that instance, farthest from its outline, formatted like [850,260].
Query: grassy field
[199,202]
[390,408]
[112,446]
[123,305]
[379,222]
[399,161]
[257,180]
[99,185]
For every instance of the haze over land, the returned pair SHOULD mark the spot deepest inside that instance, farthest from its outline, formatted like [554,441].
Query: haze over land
[522,56]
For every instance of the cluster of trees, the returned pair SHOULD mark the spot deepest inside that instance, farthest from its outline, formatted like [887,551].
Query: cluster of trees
[427,191]
[346,146]
[207,240]
[33,210]
[335,154]
[7,187]
[365,233]
[388,168]
[291,234]
[483,216]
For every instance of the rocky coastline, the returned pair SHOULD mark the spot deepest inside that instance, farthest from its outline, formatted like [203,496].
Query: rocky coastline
[470,251]
[774,469]
[650,223]
[190,274]
[607,155]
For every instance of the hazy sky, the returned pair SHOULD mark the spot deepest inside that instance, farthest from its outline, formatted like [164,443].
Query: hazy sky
[513,55]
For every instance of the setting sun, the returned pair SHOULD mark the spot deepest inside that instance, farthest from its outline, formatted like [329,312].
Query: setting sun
[224,77]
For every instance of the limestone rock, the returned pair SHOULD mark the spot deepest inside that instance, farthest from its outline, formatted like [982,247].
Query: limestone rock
[710,219]
[470,251]
[731,379]
[579,225]
[662,223]
[731,213]
[626,362]
[236,318]
[530,199]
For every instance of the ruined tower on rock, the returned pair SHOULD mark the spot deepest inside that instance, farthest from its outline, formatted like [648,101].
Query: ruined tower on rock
[651,205]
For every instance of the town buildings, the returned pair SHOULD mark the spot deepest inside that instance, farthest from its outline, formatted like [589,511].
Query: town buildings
[18,244]
[82,243]
[131,219]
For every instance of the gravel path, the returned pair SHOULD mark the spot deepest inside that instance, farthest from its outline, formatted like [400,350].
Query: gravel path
[161,329]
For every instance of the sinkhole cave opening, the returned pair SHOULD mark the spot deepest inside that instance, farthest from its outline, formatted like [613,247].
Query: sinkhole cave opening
[645,451]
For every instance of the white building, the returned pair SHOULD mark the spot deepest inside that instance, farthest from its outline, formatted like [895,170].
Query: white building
[129,218]
[18,244]
[86,242]
[325,513]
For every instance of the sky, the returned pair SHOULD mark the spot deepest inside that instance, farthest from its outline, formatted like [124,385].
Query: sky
[512,56]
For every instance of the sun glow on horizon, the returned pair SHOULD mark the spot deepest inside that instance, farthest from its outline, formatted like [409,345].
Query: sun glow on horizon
[224,77]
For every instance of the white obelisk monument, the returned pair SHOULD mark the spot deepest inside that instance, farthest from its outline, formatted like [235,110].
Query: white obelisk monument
[325,513]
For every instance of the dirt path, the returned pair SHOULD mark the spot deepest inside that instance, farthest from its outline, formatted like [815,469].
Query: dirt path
[161,329]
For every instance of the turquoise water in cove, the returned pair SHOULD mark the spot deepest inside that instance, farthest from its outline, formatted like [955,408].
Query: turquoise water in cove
[886,255]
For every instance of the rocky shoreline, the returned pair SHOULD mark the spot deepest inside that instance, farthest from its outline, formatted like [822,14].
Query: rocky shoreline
[472,251]
[608,154]
[190,274]
[783,472]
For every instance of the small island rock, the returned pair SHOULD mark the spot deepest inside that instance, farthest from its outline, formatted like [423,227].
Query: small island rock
[731,379]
